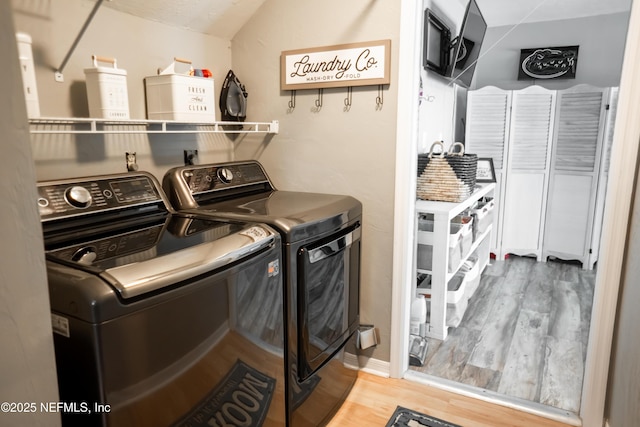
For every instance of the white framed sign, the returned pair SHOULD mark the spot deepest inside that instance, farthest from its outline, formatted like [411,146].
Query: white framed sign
[485,171]
[354,64]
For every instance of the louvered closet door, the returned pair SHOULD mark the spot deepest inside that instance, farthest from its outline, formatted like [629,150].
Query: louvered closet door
[487,133]
[577,148]
[527,177]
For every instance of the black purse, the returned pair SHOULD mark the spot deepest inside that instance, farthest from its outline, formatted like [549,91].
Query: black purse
[233,99]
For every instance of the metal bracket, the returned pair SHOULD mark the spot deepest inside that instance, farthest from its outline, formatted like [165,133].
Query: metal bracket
[58,73]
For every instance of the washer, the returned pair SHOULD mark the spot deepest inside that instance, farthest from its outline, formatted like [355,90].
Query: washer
[321,252]
[160,318]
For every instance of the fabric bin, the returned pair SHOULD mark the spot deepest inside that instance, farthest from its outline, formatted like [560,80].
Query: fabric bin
[471,270]
[426,241]
[455,312]
[456,288]
[483,217]
[466,236]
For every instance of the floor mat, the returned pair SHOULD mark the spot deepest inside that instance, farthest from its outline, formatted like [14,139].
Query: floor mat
[403,417]
[228,402]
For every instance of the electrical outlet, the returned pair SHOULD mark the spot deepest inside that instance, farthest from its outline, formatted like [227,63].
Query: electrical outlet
[132,166]
[190,157]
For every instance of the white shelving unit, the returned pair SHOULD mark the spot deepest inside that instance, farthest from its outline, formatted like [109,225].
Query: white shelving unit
[443,213]
[53,125]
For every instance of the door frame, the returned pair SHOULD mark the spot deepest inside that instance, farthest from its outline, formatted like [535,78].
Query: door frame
[620,188]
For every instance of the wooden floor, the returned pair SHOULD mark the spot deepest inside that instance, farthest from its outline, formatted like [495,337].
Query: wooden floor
[373,400]
[524,333]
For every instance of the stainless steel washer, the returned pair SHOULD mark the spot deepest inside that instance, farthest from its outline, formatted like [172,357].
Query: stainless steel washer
[321,250]
[160,319]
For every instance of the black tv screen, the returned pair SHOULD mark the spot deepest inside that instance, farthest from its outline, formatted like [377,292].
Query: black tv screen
[467,45]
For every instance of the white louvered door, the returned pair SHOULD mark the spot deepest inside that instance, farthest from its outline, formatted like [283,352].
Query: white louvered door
[577,150]
[528,165]
[487,134]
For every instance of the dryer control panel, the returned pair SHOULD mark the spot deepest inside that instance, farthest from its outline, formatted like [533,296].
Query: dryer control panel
[209,178]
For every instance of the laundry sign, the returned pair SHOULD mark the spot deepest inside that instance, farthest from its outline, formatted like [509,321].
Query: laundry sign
[354,64]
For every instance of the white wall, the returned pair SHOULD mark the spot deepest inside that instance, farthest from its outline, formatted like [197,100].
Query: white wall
[331,150]
[438,96]
[623,400]
[27,365]
[601,40]
[141,47]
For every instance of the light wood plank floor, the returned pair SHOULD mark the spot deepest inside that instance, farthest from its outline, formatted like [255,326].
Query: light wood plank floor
[373,400]
[524,333]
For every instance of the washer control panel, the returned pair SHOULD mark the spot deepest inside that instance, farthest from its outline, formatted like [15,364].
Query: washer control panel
[203,179]
[70,198]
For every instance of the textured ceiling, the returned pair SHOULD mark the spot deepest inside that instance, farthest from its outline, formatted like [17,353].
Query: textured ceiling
[509,12]
[221,18]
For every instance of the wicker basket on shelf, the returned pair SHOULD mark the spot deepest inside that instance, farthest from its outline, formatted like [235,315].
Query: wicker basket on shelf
[446,177]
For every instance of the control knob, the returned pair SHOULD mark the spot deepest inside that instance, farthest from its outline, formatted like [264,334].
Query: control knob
[225,175]
[85,256]
[78,197]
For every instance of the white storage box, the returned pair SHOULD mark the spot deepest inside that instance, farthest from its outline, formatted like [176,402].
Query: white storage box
[180,96]
[107,90]
[425,244]
[28,74]
[483,217]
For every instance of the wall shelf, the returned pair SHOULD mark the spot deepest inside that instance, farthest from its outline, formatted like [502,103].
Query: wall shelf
[52,125]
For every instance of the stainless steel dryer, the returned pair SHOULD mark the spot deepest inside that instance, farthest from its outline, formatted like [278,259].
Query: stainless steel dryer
[160,319]
[321,250]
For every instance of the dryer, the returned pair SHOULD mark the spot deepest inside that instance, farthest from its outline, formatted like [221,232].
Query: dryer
[321,244]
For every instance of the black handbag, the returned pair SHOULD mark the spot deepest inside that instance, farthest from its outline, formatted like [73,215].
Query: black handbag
[233,99]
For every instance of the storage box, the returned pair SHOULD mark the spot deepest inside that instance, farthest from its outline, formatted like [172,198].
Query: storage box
[180,97]
[107,90]
[25,55]
[425,244]
[483,217]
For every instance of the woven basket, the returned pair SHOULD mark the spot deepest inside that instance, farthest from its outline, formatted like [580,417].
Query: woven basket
[446,177]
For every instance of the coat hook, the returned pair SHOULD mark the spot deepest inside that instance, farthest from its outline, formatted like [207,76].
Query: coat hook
[379,98]
[319,100]
[347,100]
[292,101]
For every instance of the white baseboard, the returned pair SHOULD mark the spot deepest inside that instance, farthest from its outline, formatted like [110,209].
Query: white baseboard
[368,365]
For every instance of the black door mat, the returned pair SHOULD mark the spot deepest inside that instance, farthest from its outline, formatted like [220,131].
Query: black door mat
[403,417]
[226,404]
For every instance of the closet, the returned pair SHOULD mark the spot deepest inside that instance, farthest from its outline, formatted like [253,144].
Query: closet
[550,164]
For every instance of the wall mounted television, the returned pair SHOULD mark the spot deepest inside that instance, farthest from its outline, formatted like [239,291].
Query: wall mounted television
[436,44]
[466,47]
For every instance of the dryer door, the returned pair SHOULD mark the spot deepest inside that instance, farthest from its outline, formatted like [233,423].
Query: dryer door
[328,297]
